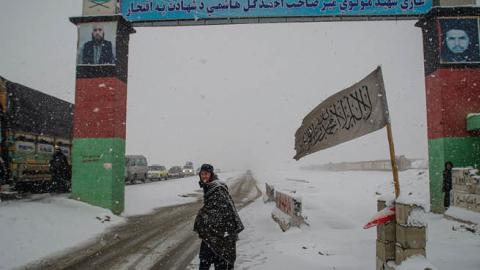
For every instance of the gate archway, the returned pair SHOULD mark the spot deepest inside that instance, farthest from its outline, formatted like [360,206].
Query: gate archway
[102,69]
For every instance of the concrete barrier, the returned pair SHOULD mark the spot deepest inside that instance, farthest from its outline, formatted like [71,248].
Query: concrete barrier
[410,237]
[270,193]
[464,176]
[401,253]
[287,211]
[402,238]
[403,211]
[410,233]
[386,239]
[469,201]
[386,232]
[385,250]
[466,189]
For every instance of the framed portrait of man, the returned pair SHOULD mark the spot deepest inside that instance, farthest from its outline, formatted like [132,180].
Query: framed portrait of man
[459,40]
[97,43]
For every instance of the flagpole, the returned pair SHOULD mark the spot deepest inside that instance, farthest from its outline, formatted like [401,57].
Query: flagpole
[393,160]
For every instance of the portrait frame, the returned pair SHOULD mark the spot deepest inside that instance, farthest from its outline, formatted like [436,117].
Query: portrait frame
[92,51]
[465,28]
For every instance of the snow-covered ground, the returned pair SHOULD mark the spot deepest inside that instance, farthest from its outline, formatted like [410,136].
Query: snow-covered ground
[337,205]
[141,199]
[31,229]
[47,224]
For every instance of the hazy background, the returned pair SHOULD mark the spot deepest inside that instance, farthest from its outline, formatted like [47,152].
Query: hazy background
[230,95]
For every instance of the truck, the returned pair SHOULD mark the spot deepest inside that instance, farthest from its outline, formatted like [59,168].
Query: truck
[32,123]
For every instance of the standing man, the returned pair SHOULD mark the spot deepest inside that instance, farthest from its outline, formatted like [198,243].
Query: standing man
[217,223]
[447,183]
[98,51]
[60,170]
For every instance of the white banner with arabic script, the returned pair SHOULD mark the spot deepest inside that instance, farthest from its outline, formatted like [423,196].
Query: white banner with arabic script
[349,114]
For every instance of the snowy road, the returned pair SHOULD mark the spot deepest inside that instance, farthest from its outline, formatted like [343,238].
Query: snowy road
[160,240]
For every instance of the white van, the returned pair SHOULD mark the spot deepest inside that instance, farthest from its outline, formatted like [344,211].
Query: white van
[136,168]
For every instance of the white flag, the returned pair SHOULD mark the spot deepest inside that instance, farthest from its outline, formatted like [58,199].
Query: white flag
[349,114]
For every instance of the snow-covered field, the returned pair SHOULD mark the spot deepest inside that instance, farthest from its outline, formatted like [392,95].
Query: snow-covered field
[337,205]
[47,224]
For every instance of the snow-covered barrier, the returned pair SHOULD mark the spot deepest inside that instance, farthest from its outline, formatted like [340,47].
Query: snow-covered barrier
[410,232]
[466,189]
[403,238]
[386,238]
[465,196]
[287,211]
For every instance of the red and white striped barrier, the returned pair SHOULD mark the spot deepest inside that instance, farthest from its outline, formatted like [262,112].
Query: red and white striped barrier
[287,211]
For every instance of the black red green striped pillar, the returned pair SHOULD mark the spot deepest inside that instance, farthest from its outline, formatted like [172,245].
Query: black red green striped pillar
[98,154]
[452,83]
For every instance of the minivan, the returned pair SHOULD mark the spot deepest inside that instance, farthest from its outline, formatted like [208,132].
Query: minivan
[136,168]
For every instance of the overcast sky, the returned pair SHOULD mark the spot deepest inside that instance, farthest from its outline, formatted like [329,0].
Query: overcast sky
[231,95]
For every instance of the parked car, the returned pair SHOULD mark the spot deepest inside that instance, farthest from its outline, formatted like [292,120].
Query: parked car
[157,172]
[175,172]
[136,168]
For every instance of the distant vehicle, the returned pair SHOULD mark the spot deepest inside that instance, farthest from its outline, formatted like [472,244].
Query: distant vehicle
[136,168]
[157,172]
[188,169]
[175,172]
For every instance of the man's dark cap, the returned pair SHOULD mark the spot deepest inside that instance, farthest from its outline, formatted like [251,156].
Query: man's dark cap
[207,168]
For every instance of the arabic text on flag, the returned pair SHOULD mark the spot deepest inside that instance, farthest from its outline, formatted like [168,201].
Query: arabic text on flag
[349,114]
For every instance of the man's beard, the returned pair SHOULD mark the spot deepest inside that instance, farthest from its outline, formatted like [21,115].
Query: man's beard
[98,40]
[458,50]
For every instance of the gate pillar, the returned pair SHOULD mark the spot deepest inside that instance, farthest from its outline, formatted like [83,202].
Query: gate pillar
[452,83]
[98,154]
